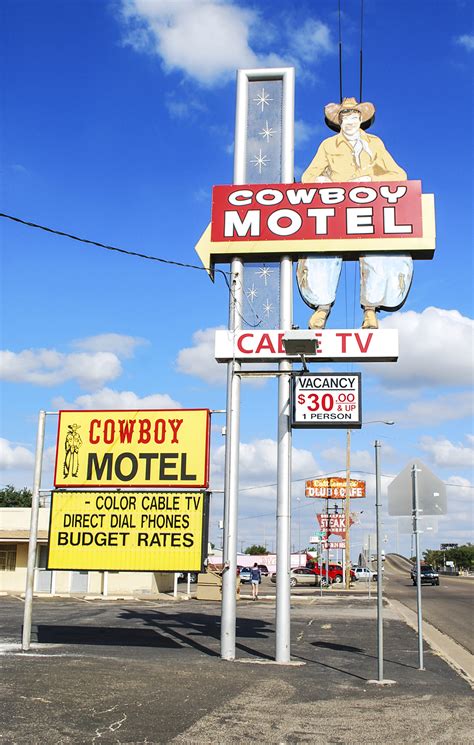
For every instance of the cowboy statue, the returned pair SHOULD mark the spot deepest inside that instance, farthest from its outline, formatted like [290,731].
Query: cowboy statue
[353,155]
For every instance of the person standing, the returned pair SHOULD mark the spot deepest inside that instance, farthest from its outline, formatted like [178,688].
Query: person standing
[353,156]
[256,578]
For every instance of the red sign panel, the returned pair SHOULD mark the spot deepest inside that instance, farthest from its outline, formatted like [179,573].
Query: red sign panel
[334,487]
[269,212]
[334,524]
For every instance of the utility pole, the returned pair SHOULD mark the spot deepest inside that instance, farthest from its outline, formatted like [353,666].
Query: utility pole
[348,508]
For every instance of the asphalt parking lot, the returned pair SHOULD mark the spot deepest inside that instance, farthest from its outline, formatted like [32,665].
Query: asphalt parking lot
[150,672]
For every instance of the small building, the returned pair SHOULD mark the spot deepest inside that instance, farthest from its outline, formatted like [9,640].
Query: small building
[14,539]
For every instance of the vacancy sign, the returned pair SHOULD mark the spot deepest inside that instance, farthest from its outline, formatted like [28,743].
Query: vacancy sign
[148,448]
[326,400]
[128,531]
[363,345]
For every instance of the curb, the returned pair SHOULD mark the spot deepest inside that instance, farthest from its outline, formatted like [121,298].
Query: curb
[451,652]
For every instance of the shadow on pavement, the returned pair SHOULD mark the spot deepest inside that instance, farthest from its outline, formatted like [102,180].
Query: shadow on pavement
[98,635]
[357,650]
[187,628]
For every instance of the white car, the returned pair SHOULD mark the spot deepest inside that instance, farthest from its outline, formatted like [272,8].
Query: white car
[364,573]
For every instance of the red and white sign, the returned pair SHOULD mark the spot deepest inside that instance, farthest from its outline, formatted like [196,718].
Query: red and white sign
[333,487]
[326,400]
[334,524]
[269,212]
[363,345]
[333,545]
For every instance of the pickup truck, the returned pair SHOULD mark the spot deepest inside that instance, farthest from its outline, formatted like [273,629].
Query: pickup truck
[428,575]
[364,573]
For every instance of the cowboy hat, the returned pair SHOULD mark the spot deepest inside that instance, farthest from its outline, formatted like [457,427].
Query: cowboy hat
[333,110]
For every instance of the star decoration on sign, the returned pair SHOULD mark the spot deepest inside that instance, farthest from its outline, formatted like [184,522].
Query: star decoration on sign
[251,293]
[267,132]
[263,99]
[267,308]
[264,273]
[260,160]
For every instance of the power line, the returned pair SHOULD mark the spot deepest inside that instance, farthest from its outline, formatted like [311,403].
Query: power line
[127,252]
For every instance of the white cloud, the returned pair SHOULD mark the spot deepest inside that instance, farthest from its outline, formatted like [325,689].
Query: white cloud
[208,40]
[459,489]
[466,41]
[435,350]
[199,359]
[433,411]
[305,132]
[49,367]
[106,398]
[312,40]
[96,363]
[258,464]
[15,456]
[360,459]
[119,344]
[445,453]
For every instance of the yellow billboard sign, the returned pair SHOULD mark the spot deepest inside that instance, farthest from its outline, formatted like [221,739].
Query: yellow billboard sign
[165,448]
[128,531]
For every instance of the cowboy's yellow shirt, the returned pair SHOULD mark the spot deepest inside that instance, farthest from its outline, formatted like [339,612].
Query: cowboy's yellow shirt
[335,159]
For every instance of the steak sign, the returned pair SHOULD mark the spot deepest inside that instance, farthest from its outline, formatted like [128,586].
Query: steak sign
[334,524]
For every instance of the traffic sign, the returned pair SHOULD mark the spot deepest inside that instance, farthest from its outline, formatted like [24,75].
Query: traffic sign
[431,492]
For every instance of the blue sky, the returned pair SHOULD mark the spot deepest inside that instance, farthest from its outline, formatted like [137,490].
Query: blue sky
[118,119]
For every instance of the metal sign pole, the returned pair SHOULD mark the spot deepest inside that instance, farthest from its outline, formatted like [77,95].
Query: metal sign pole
[30,572]
[348,510]
[378,492]
[283,591]
[231,489]
[370,563]
[418,572]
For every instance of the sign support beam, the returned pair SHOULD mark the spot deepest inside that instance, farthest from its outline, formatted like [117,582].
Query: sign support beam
[283,591]
[231,487]
[30,572]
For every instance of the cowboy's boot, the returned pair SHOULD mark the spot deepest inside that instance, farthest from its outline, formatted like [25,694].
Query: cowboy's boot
[370,319]
[319,317]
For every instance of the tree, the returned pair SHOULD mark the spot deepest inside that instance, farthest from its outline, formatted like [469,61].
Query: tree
[256,551]
[11,497]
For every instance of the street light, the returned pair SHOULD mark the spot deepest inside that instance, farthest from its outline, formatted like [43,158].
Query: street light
[300,343]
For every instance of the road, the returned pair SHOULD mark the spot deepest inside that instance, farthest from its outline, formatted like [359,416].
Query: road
[449,607]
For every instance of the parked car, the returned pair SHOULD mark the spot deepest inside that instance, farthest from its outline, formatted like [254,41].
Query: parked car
[366,574]
[334,572]
[183,577]
[245,575]
[428,575]
[263,570]
[303,576]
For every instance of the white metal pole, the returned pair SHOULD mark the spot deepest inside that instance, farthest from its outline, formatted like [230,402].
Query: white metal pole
[175,585]
[378,494]
[418,572]
[283,591]
[231,487]
[30,571]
